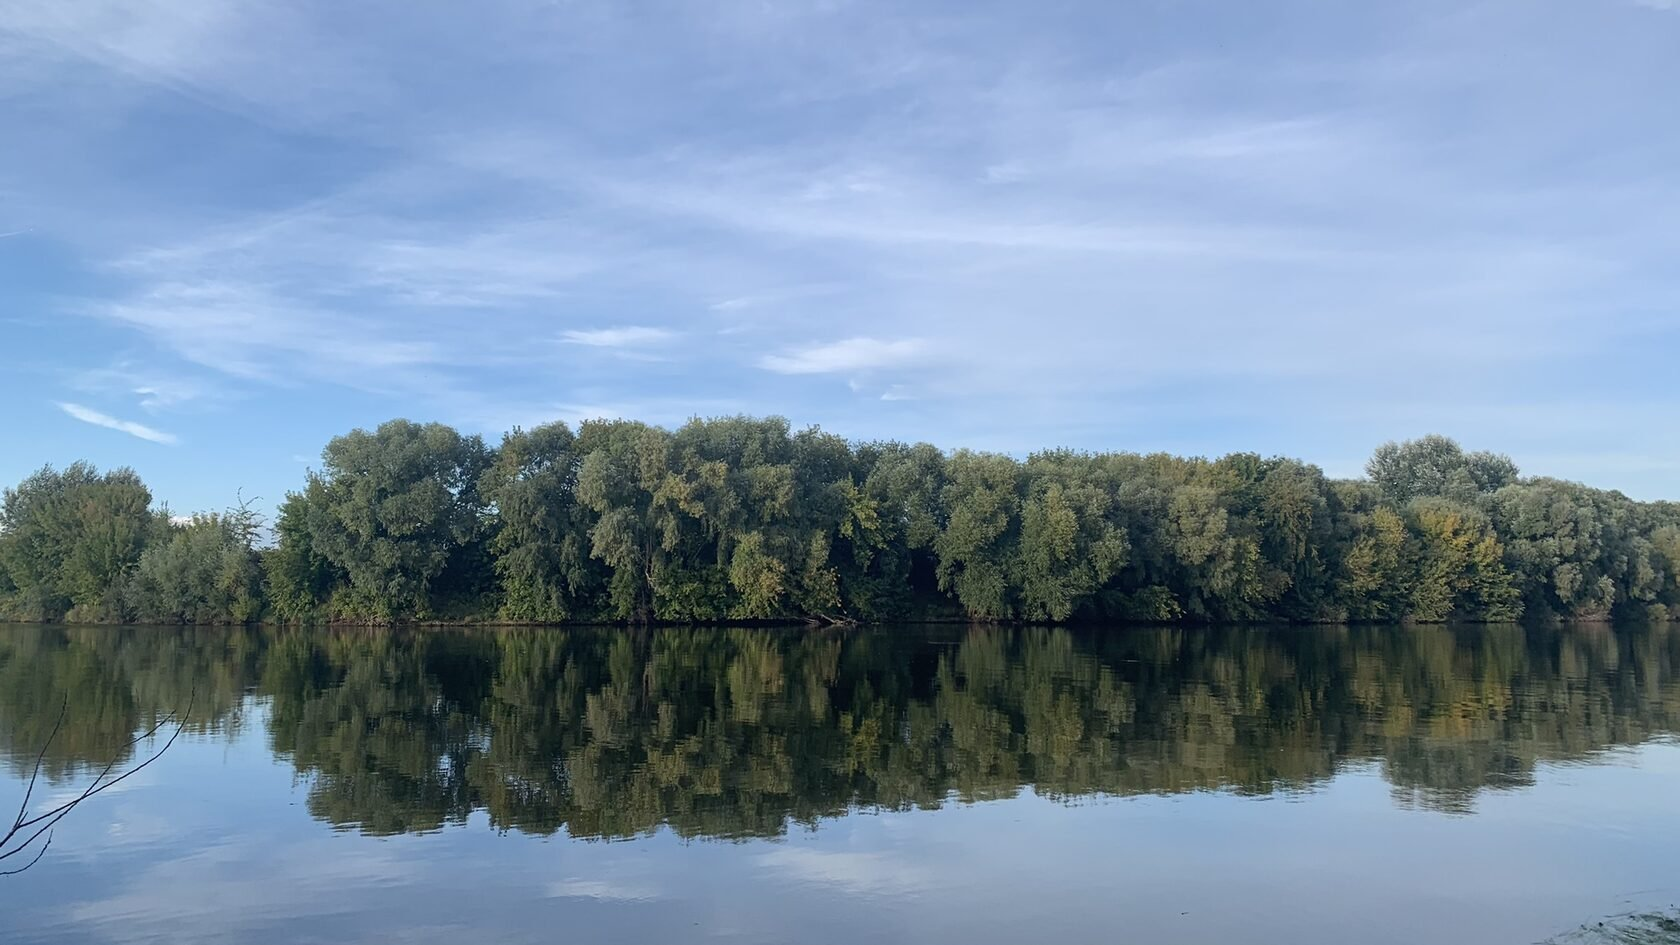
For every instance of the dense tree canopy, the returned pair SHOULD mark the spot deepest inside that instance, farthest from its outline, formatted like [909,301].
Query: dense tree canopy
[69,540]
[746,519]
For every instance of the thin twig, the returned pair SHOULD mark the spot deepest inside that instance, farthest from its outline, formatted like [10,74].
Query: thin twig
[38,854]
[23,808]
[96,787]
[50,818]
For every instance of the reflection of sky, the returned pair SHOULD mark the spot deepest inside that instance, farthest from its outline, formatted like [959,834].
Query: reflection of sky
[214,844]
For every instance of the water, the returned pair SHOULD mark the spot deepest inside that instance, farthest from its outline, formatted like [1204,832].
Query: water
[1297,786]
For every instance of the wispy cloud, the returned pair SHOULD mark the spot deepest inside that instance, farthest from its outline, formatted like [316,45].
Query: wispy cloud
[245,330]
[852,354]
[449,224]
[87,415]
[155,389]
[628,336]
[160,396]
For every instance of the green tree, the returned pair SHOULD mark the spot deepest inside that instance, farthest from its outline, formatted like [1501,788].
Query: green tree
[300,580]
[976,548]
[624,465]
[1072,543]
[744,518]
[1458,566]
[399,508]
[205,572]
[1376,579]
[69,539]
[892,514]
[1435,466]
[541,543]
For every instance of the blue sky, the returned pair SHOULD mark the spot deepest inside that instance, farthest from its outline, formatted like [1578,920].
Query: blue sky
[233,230]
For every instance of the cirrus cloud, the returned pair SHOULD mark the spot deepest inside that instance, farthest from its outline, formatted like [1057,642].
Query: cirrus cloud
[627,336]
[852,354]
[88,415]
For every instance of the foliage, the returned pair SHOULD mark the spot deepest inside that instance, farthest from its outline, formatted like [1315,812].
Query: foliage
[739,518]
[1436,466]
[540,543]
[397,508]
[205,572]
[69,540]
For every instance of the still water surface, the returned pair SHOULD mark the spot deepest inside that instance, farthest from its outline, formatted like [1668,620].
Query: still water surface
[1159,786]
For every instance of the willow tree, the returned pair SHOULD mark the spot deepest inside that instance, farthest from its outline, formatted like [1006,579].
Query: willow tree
[624,465]
[397,507]
[977,545]
[541,530]
[69,540]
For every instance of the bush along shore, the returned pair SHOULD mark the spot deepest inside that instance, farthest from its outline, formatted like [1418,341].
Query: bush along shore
[744,519]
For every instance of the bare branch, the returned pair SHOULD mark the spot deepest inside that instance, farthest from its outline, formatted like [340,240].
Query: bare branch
[38,854]
[46,820]
[23,808]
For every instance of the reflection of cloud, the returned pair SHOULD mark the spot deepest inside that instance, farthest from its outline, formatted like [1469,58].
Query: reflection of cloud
[607,890]
[217,890]
[69,792]
[861,874]
[138,828]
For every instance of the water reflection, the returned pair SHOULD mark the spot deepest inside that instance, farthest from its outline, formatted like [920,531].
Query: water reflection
[738,733]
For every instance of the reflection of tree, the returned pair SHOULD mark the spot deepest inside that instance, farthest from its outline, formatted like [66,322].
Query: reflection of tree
[732,732]
[112,682]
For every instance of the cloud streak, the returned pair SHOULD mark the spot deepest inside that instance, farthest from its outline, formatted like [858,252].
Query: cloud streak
[626,337]
[94,417]
[1038,233]
[851,354]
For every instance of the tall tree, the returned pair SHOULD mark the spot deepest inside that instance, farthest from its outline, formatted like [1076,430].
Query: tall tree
[1435,465]
[69,539]
[624,466]
[400,506]
[976,548]
[541,531]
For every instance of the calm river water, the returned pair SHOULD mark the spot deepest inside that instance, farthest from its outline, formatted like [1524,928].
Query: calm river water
[1152,786]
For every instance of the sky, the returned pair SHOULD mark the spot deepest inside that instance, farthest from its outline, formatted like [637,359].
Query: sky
[231,231]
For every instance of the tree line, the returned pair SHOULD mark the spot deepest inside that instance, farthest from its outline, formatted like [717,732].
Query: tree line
[733,732]
[740,519]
